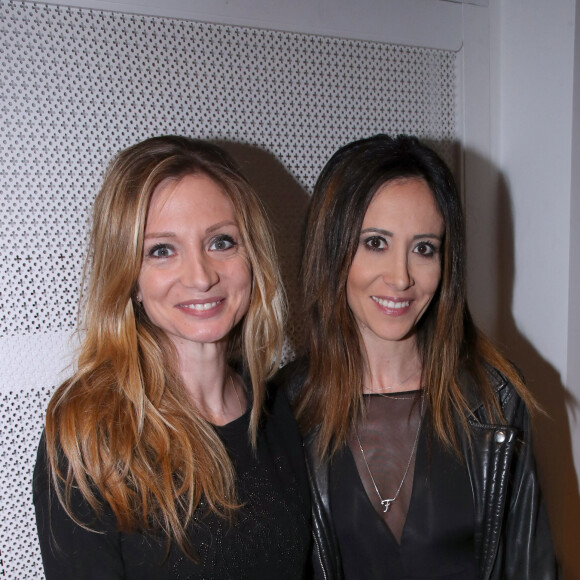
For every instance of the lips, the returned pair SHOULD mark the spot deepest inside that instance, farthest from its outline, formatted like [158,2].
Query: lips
[201,306]
[391,304]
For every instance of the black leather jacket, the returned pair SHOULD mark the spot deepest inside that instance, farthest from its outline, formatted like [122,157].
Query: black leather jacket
[512,536]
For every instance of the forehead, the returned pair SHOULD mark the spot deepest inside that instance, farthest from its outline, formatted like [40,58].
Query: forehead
[192,197]
[405,200]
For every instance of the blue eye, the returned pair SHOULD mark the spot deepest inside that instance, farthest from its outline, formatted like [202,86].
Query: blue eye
[375,243]
[161,251]
[222,243]
[426,249]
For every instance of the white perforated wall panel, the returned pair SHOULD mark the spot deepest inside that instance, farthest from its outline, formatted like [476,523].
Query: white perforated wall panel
[78,85]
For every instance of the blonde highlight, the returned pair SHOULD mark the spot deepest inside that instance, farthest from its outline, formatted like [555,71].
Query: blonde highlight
[121,429]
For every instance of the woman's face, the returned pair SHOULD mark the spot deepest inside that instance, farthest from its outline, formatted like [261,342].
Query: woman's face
[195,281]
[397,266]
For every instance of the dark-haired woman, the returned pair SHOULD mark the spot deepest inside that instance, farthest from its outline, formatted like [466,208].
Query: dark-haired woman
[417,428]
[162,457]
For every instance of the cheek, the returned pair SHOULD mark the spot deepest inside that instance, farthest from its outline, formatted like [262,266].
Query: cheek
[433,280]
[244,291]
[148,283]
[142,286]
[351,287]
[355,287]
[149,293]
[242,275]
[358,274]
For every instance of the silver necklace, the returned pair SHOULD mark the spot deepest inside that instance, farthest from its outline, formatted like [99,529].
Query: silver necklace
[396,385]
[386,503]
[387,396]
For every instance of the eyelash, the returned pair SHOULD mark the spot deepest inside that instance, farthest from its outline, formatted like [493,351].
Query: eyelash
[433,249]
[367,243]
[384,244]
[156,248]
[151,253]
[223,238]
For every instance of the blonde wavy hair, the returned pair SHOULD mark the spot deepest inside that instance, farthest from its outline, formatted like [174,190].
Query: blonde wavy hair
[121,430]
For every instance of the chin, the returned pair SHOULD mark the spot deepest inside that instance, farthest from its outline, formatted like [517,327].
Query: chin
[391,334]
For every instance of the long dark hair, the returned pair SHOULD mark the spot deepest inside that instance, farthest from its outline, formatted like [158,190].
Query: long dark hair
[447,338]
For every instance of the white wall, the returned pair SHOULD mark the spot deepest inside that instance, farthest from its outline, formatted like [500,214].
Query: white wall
[81,84]
[535,153]
[534,149]
[521,181]
[574,301]
[425,23]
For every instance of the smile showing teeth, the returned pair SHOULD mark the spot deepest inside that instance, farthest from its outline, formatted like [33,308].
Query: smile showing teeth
[390,303]
[202,307]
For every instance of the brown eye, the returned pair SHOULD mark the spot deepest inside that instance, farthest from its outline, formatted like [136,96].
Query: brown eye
[426,249]
[375,243]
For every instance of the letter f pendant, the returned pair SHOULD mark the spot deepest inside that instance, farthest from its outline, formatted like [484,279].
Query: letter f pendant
[386,503]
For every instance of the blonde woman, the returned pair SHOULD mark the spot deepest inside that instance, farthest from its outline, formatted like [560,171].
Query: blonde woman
[166,455]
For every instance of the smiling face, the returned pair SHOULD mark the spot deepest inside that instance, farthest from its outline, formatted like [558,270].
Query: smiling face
[195,281]
[397,266]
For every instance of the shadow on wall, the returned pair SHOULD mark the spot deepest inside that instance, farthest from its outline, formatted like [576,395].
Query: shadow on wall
[286,203]
[552,435]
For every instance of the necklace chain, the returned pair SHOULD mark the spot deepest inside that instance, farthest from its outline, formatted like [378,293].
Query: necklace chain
[396,385]
[398,398]
[386,503]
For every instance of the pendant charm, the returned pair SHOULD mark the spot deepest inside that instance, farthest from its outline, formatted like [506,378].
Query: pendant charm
[386,503]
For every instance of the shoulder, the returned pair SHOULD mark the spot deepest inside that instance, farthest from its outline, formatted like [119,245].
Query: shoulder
[45,493]
[291,377]
[510,402]
[40,478]
[277,401]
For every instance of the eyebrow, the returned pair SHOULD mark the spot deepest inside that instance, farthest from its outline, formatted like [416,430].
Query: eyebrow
[159,235]
[209,230]
[390,234]
[220,225]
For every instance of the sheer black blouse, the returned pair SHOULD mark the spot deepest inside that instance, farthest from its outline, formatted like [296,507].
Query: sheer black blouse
[432,535]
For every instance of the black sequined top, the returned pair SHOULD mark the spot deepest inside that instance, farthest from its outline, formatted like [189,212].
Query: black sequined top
[269,537]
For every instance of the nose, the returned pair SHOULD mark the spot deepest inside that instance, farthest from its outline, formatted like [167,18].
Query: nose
[198,271]
[397,273]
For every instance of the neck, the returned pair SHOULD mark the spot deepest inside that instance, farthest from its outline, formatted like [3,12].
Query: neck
[394,367]
[213,387]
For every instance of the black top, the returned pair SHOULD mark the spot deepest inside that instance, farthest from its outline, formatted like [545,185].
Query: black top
[269,537]
[437,539]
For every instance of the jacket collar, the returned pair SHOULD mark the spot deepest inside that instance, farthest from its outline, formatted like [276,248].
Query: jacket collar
[472,392]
